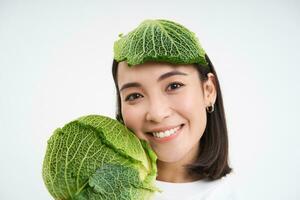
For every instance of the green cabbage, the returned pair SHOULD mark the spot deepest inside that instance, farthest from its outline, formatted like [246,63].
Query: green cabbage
[96,158]
[159,40]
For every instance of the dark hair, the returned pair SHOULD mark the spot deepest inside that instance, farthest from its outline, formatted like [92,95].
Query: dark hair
[212,160]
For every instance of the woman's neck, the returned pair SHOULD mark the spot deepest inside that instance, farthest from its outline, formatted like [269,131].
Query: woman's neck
[175,172]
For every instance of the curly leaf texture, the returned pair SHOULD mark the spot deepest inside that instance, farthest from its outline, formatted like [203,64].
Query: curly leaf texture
[98,158]
[162,41]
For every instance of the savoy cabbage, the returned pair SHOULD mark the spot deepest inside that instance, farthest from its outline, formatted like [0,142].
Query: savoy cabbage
[97,158]
[159,40]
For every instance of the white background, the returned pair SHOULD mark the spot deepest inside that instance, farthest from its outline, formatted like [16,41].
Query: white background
[55,65]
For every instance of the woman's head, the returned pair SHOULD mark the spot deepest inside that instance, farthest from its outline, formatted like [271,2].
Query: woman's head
[165,104]
[160,97]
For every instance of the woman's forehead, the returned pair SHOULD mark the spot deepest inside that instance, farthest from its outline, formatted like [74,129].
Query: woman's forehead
[150,74]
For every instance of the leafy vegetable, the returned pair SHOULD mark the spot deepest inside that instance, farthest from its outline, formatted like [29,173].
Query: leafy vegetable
[159,40]
[97,158]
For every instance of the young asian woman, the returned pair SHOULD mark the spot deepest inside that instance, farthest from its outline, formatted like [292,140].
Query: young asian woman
[173,100]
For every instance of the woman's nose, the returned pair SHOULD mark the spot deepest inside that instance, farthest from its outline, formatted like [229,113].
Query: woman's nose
[158,110]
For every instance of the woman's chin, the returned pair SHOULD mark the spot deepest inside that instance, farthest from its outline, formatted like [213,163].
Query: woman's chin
[170,159]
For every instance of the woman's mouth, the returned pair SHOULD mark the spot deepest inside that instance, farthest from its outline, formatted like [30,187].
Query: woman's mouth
[167,135]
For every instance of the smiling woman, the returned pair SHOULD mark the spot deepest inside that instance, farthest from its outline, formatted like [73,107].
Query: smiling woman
[169,95]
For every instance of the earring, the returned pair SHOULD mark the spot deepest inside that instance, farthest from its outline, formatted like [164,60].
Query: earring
[211,108]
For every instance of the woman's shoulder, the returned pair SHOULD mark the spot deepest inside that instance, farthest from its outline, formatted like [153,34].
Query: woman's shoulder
[220,189]
[223,189]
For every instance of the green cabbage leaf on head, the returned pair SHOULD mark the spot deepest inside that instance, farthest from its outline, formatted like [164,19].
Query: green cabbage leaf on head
[98,158]
[161,41]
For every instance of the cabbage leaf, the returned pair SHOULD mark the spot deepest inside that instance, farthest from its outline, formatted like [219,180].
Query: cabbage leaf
[159,40]
[96,158]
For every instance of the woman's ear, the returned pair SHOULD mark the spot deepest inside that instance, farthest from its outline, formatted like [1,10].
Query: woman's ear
[210,90]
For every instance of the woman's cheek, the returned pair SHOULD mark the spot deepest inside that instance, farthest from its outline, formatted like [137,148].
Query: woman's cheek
[183,102]
[188,102]
[128,116]
[132,118]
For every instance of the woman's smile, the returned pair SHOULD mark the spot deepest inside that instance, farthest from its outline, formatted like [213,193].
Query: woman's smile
[163,135]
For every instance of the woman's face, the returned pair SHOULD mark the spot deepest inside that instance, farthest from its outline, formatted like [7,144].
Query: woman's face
[165,104]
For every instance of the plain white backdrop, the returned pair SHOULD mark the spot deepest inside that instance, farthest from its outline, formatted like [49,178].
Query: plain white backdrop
[55,65]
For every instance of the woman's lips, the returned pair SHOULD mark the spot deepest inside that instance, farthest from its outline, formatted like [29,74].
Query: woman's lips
[167,138]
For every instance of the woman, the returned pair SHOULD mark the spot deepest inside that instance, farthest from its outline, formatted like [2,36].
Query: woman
[169,95]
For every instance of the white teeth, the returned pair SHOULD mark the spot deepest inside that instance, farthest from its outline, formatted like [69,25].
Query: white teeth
[166,133]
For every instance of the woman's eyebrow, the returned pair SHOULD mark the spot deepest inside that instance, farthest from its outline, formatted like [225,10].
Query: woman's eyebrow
[162,77]
[129,85]
[171,73]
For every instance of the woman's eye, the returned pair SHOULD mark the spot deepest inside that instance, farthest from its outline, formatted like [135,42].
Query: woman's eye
[174,86]
[132,97]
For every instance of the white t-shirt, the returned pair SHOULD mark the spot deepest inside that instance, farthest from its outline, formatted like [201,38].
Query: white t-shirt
[221,189]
